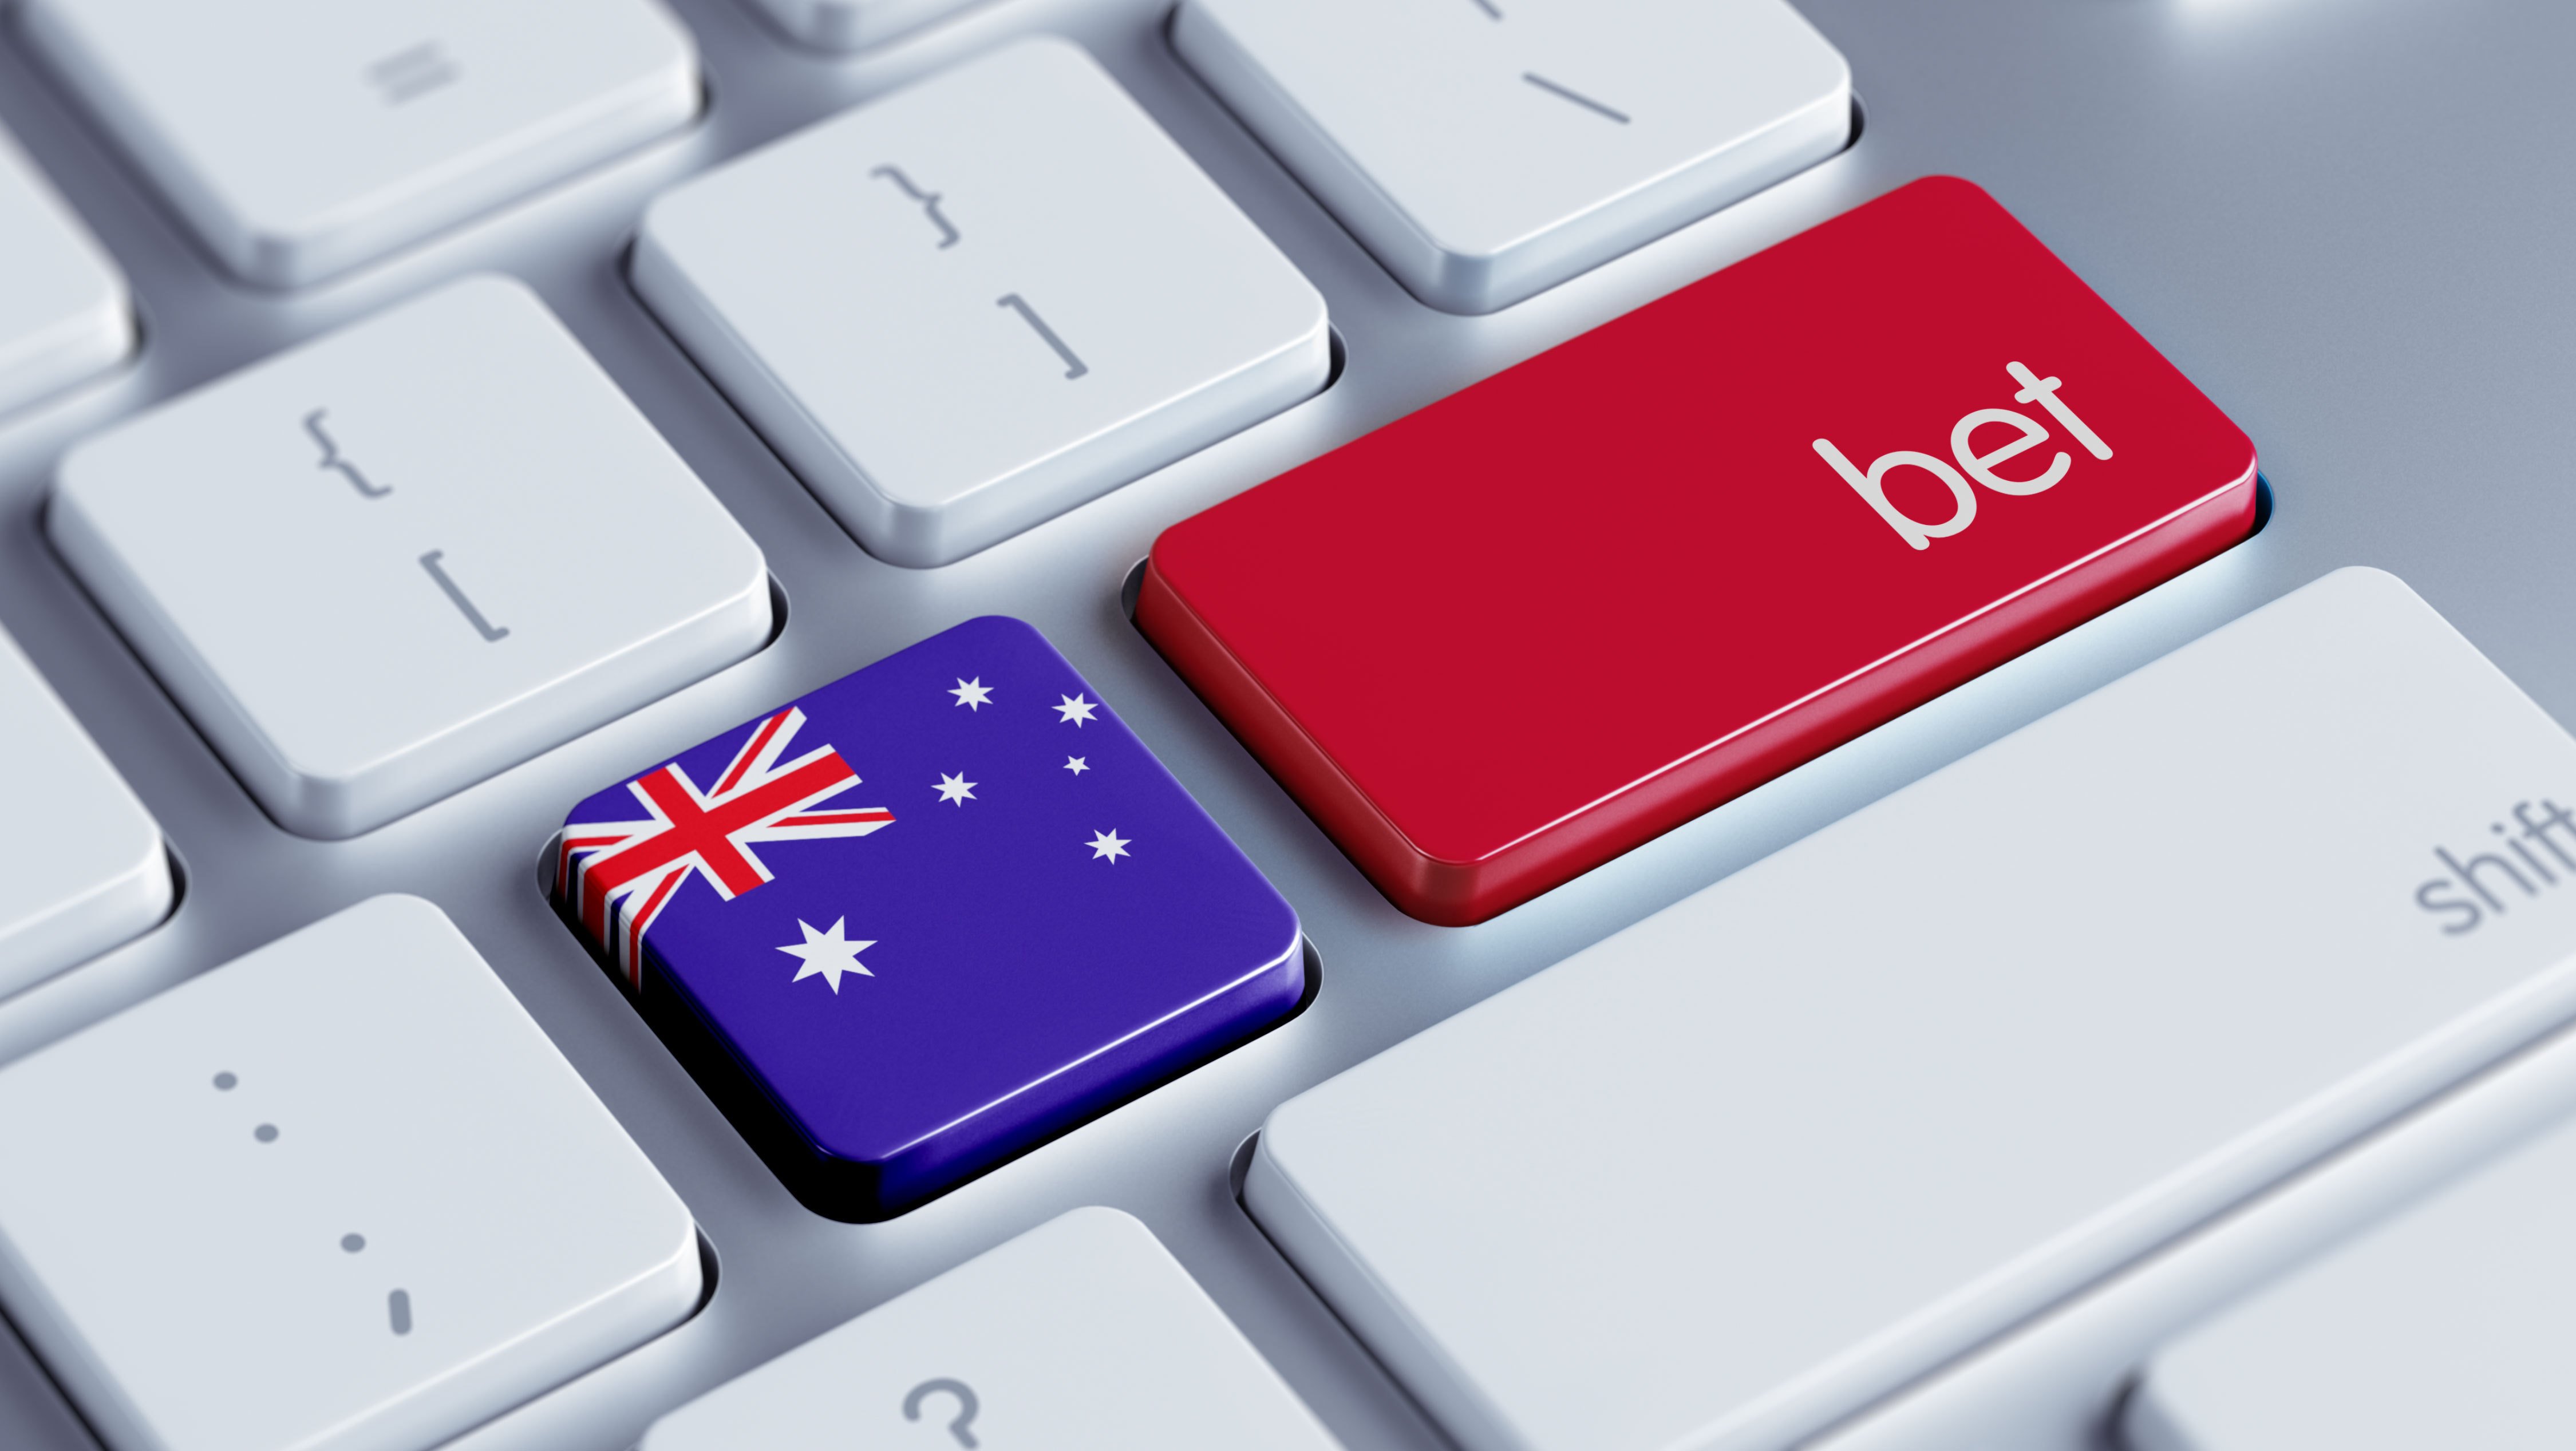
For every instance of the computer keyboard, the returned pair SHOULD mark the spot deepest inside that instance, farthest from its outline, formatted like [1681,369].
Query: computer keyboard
[427,425]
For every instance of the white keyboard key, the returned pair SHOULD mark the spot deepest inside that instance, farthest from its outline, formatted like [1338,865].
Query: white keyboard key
[1083,1334]
[340,1193]
[302,138]
[390,563]
[1773,1152]
[82,867]
[1487,150]
[972,305]
[2452,1325]
[851,24]
[64,314]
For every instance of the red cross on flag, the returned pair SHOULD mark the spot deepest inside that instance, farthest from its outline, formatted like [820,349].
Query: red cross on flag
[621,874]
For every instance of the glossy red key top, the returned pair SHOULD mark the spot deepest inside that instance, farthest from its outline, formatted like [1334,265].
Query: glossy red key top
[1498,642]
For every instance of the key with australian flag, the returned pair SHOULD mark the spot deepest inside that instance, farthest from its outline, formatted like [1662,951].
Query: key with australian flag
[923,918]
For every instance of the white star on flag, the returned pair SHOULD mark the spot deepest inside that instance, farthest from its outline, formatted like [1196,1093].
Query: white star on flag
[973,694]
[1075,710]
[827,955]
[1076,764]
[956,789]
[1109,844]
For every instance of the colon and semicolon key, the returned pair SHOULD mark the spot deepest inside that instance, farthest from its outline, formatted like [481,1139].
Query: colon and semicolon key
[405,1212]
[2031,1018]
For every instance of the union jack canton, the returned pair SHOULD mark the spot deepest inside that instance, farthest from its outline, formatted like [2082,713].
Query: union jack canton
[619,875]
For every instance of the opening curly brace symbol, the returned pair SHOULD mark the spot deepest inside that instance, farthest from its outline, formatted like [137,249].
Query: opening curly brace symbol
[966,1407]
[929,202]
[331,460]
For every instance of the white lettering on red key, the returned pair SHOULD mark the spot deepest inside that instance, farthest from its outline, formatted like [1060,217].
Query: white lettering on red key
[1659,477]
[1918,534]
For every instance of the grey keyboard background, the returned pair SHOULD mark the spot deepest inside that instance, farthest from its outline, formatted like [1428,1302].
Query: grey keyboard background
[2347,220]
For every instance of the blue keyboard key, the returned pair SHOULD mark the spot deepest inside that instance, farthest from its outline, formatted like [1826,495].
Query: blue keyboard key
[921,919]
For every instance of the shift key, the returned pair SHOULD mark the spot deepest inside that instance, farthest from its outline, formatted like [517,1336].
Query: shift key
[1740,1170]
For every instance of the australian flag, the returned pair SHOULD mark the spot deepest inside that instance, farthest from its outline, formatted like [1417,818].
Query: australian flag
[925,917]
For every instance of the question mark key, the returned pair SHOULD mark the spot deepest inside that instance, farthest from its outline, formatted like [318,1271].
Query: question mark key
[1082,1332]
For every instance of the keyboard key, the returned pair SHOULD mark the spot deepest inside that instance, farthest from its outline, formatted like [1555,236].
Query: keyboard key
[82,867]
[1083,1333]
[303,138]
[388,564]
[2449,1326]
[928,915]
[1763,487]
[851,24]
[1768,1155]
[968,307]
[1486,150]
[339,1193]
[64,314]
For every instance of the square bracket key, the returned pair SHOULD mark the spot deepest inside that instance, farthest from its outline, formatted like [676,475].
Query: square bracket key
[981,301]
[390,563]
[918,921]
[1487,150]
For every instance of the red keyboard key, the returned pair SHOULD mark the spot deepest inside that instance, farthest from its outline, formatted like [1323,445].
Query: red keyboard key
[1505,639]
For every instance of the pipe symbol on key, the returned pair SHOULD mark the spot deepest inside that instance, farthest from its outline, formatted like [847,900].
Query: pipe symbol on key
[967,1406]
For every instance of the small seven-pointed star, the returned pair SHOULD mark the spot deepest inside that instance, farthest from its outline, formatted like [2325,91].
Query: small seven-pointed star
[828,954]
[1076,709]
[955,788]
[973,694]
